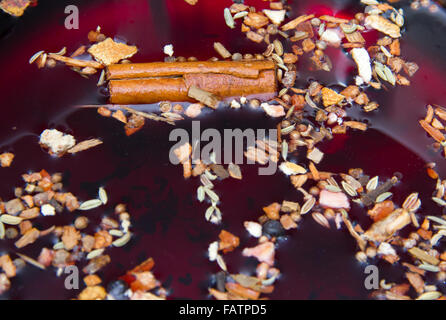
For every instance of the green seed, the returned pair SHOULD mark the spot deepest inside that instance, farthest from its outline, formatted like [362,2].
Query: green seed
[228,18]
[90,204]
[9,219]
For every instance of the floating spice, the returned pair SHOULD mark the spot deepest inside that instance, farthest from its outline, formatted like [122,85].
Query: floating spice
[123,240]
[228,19]
[90,204]
[108,51]
[308,205]
[385,228]
[221,50]
[15,8]
[294,23]
[204,97]
[383,196]
[2,230]
[9,219]
[234,171]
[31,261]
[423,256]
[103,195]
[370,197]
[383,25]
[95,253]
[320,219]
[84,145]
[200,193]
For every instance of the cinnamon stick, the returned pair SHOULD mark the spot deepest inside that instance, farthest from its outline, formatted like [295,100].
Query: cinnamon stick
[242,69]
[152,90]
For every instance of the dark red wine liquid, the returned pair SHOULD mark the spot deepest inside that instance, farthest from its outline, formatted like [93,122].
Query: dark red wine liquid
[168,221]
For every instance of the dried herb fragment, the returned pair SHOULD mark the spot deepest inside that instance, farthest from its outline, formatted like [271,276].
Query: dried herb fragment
[108,51]
[15,8]
[204,97]
[84,145]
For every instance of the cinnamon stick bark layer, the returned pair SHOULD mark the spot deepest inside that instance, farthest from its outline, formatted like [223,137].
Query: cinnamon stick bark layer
[160,81]
[242,69]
